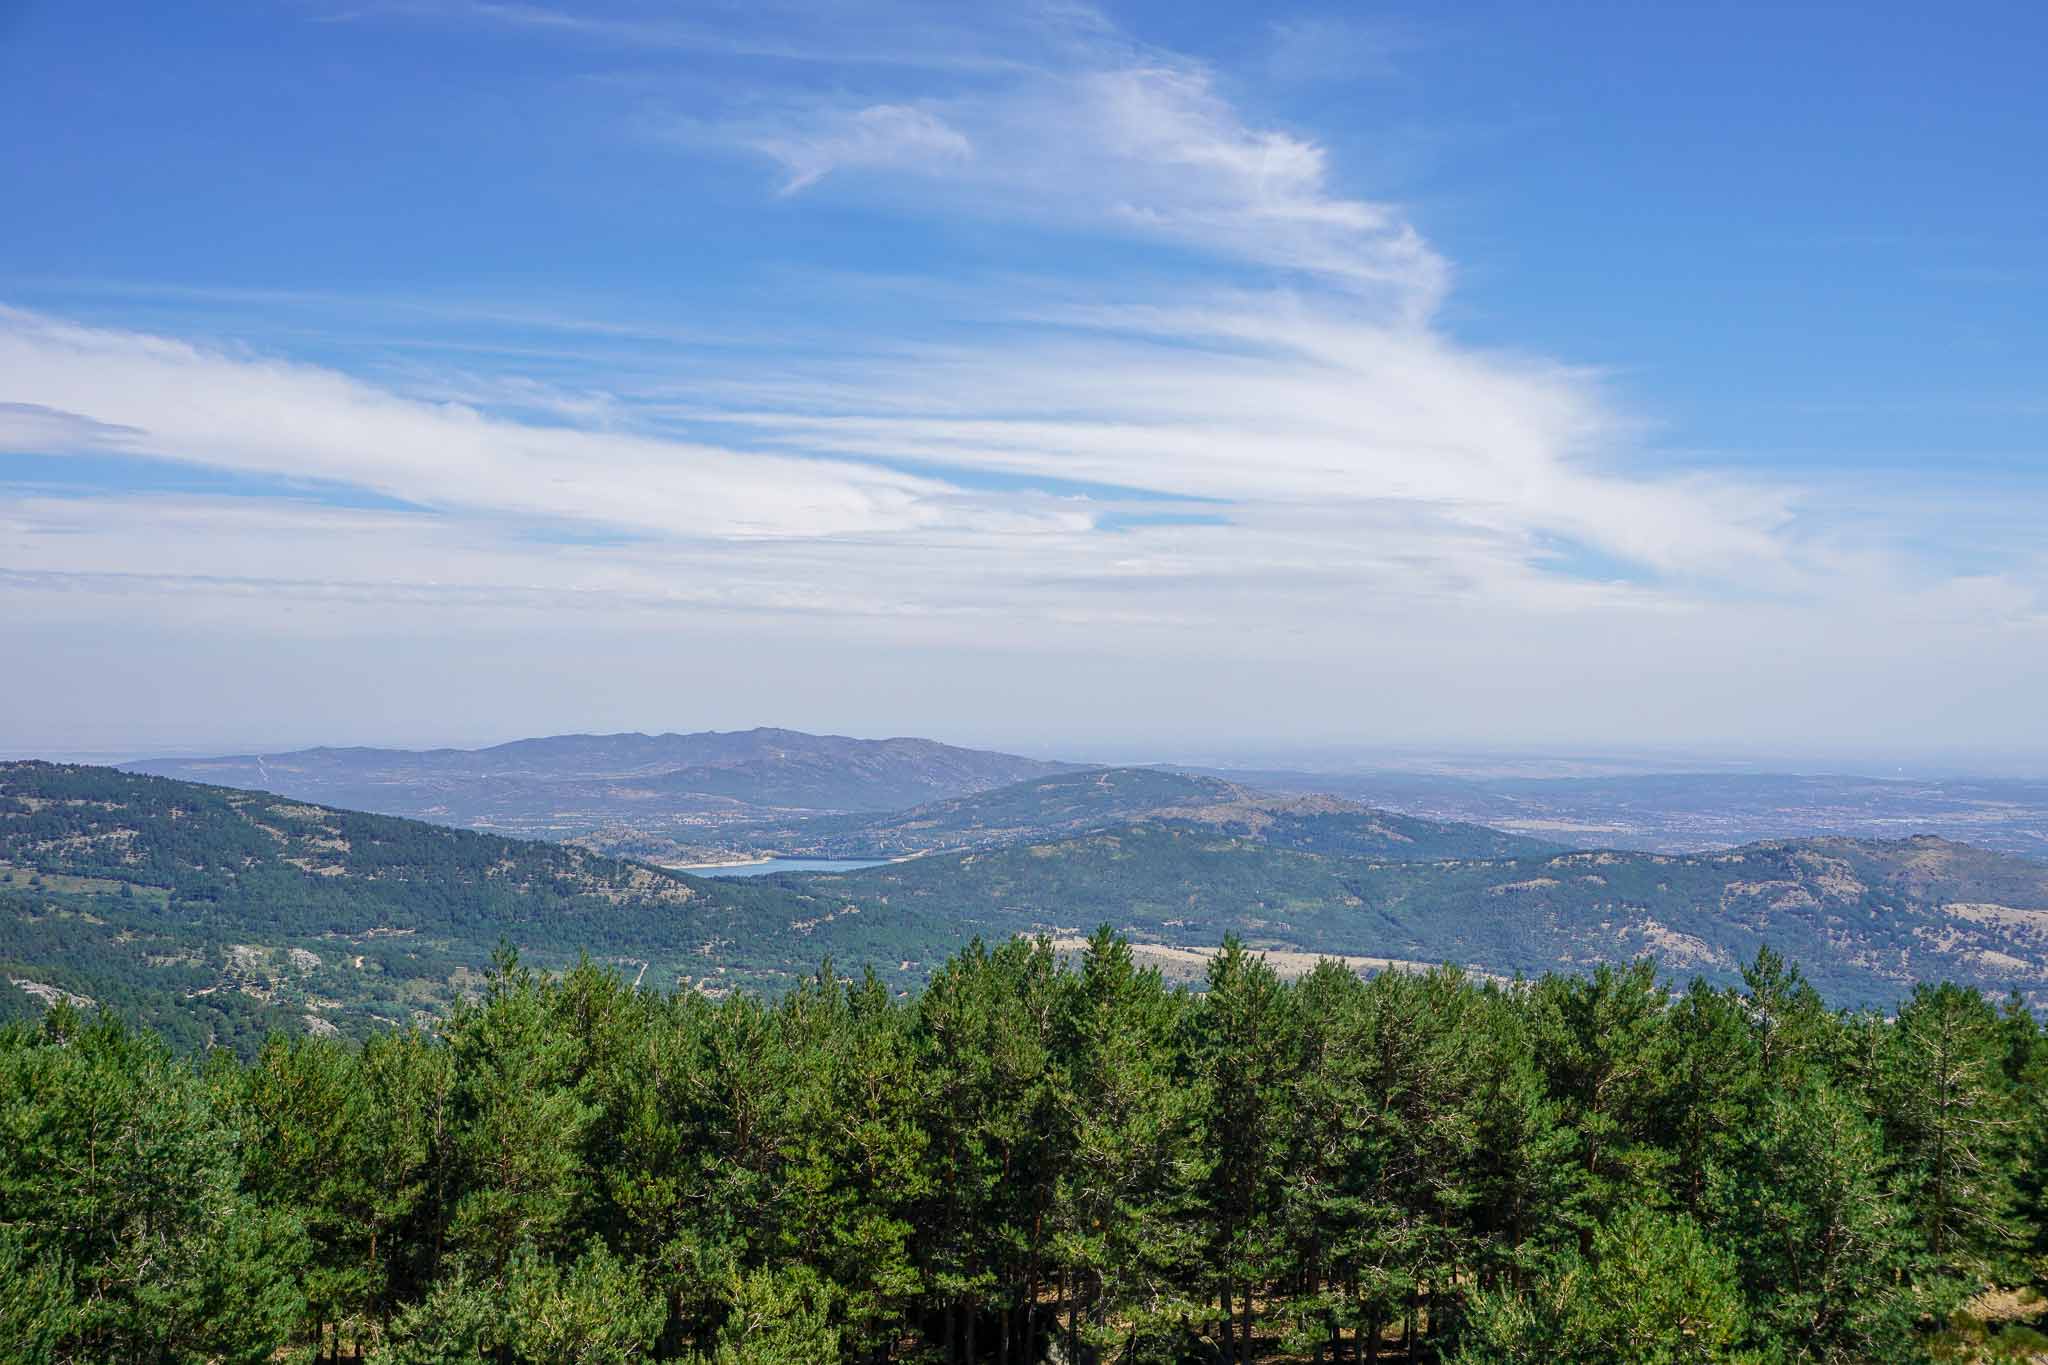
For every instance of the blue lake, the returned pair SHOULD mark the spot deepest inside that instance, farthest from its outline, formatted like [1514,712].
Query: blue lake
[762,869]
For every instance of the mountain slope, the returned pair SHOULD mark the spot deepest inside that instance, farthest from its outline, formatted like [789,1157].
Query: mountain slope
[1866,917]
[668,786]
[231,912]
[1102,798]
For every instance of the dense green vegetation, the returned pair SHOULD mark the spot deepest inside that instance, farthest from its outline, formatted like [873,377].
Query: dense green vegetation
[215,914]
[1034,1160]
[1870,917]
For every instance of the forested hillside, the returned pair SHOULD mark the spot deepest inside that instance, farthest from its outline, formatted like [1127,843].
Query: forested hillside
[218,915]
[1870,917]
[1036,1161]
[1103,798]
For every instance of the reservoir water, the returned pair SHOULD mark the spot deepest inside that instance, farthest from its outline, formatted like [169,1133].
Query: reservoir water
[762,869]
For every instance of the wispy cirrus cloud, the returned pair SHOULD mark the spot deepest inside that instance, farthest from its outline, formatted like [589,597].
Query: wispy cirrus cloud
[1327,458]
[1265,402]
[1141,146]
[157,396]
[35,427]
[877,137]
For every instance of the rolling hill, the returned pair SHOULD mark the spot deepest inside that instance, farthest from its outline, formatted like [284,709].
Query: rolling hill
[218,914]
[1071,803]
[1866,917]
[669,787]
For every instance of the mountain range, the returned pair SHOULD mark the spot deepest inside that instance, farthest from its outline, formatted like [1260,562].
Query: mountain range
[219,914]
[677,790]
[688,799]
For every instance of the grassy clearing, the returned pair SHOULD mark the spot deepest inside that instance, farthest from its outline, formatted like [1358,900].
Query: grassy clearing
[28,879]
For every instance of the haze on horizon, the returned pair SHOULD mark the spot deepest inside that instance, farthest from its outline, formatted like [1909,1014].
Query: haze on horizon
[1121,381]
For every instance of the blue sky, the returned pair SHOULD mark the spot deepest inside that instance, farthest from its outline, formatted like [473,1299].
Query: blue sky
[1505,374]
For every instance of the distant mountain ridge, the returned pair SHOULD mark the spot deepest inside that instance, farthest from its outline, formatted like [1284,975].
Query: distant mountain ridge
[1092,799]
[673,786]
[714,796]
[1680,812]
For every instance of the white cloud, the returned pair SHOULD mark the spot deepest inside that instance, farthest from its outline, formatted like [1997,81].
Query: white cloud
[880,136]
[262,416]
[1263,403]
[32,428]
[1119,138]
[1344,456]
